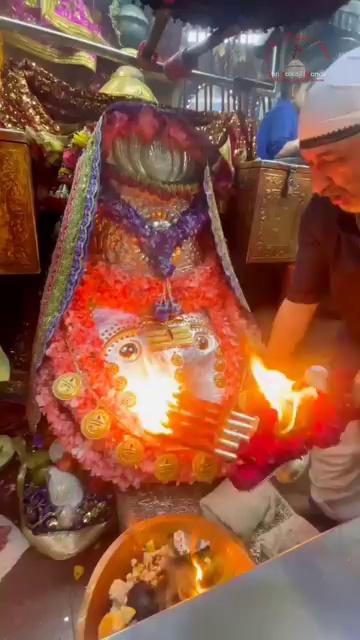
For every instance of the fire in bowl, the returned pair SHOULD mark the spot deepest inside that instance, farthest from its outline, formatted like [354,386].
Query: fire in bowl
[200,554]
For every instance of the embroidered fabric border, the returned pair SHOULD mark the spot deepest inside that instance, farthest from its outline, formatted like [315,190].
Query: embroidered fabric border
[220,241]
[71,249]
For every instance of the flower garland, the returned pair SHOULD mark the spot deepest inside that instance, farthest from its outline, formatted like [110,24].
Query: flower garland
[158,245]
[103,286]
[70,158]
[268,450]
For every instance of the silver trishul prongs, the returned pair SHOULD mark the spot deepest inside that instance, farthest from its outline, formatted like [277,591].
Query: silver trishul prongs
[237,431]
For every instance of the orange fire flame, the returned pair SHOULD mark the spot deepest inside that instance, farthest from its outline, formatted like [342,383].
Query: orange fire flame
[280,393]
[154,390]
[199,575]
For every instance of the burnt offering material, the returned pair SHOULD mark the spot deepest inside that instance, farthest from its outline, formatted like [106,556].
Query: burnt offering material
[143,598]
[141,554]
[182,543]
[179,570]
[182,581]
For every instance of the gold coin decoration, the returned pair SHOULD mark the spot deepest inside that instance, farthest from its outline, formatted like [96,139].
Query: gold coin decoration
[112,368]
[219,381]
[180,376]
[67,386]
[129,399]
[130,452]
[120,383]
[95,424]
[205,467]
[167,468]
[219,365]
[177,360]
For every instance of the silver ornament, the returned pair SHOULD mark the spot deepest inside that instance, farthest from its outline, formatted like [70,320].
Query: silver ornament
[66,517]
[64,488]
[52,524]
[87,517]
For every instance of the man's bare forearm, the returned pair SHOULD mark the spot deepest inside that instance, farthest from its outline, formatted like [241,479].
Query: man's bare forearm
[289,328]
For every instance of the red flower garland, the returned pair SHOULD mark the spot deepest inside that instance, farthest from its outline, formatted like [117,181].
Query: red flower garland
[268,449]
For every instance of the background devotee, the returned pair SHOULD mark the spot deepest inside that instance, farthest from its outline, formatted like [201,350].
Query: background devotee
[278,132]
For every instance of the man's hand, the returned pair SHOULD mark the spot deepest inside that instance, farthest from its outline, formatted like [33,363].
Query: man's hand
[290,149]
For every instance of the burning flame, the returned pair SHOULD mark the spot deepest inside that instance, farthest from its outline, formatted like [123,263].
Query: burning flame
[154,390]
[280,393]
[199,575]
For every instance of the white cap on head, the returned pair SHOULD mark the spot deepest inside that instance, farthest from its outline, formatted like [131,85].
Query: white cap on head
[332,103]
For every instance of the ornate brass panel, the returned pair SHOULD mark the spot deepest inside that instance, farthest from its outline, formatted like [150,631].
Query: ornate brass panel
[273,196]
[18,240]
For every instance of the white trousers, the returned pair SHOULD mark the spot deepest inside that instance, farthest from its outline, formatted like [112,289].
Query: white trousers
[335,476]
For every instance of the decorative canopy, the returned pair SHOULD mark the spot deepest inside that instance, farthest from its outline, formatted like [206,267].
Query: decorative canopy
[248,14]
[225,19]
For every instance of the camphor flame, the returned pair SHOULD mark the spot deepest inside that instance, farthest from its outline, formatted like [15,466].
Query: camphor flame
[199,575]
[280,393]
[154,390]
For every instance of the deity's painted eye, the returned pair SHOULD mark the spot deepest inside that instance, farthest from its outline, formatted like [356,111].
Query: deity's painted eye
[130,351]
[201,341]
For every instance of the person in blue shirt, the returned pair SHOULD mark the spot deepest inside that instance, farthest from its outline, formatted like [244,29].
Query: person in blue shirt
[278,133]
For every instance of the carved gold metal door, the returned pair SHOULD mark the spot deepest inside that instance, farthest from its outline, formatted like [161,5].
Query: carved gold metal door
[18,240]
[272,197]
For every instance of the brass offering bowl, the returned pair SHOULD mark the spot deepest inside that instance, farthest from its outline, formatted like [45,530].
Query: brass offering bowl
[116,561]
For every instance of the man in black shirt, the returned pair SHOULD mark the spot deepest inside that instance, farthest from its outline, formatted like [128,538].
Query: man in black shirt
[329,257]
